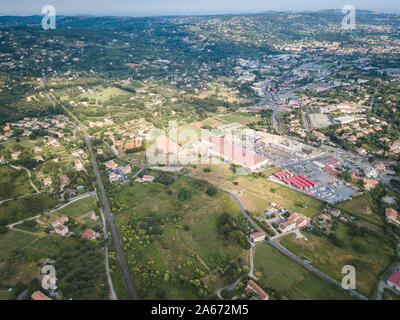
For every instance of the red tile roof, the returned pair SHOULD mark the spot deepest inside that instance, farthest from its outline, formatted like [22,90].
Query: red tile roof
[395,278]
[283,174]
[333,171]
[228,150]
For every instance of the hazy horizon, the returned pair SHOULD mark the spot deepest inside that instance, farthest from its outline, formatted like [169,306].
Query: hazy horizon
[181,7]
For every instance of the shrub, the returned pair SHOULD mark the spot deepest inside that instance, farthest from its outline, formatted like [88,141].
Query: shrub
[184,194]
[212,191]
[3,230]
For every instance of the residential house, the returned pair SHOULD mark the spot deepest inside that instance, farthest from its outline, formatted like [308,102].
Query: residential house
[37,149]
[39,295]
[257,236]
[64,181]
[370,183]
[59,226]
[127,169]
[89,234]
[392,216]
[394,280]
[362,151]
[114,177]
[395,147]
[47,182]
[111,165]
[15,155]
[255,289]
[287,226]
[78,165]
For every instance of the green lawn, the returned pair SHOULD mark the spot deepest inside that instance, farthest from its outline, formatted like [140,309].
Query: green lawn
[6,295]
[15,182]
[390,295]
[239,118]
[19,209]
[330,259]
[290,279]
[13,240]
[362,208]
[79,207]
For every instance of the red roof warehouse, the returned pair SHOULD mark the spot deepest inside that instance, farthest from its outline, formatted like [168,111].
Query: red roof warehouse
[236,154]
[283,174]
[300,182]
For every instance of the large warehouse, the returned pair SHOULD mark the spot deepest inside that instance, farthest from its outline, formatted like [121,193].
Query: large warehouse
[238,155]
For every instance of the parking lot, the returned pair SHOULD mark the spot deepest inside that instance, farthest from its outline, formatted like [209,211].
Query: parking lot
[328,188]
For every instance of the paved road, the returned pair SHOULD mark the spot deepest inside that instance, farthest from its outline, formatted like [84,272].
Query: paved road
[239,201]
[22,295]
[113,151]
[274,116]
[72,200]
[229,288]
[109,279]
[29,176]
[288,253]
[107,209]
[307,125]
[311,268]
[251,273]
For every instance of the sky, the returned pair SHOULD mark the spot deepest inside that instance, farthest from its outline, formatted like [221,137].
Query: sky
[171,7]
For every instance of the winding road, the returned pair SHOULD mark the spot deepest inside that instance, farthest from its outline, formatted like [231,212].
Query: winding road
[287,252]
[29,176]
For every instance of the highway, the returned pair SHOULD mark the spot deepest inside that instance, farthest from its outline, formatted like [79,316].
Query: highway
[107,209]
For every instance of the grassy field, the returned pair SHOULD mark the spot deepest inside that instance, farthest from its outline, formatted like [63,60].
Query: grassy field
[291,280]
[101,93]
[79,213]
[26,207]
[5,295]
[189,235]
[213,122]
[259,192]
[330,259]
[390,295]
[241,118]
[10,243]
[13,240]
[17,182]
[362,208]
[26,253]
[79,208]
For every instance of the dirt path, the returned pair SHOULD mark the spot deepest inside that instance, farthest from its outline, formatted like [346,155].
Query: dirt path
[195,253]
[29,176]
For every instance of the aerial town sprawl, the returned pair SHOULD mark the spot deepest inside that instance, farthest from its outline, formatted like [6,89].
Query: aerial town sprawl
[220,157]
